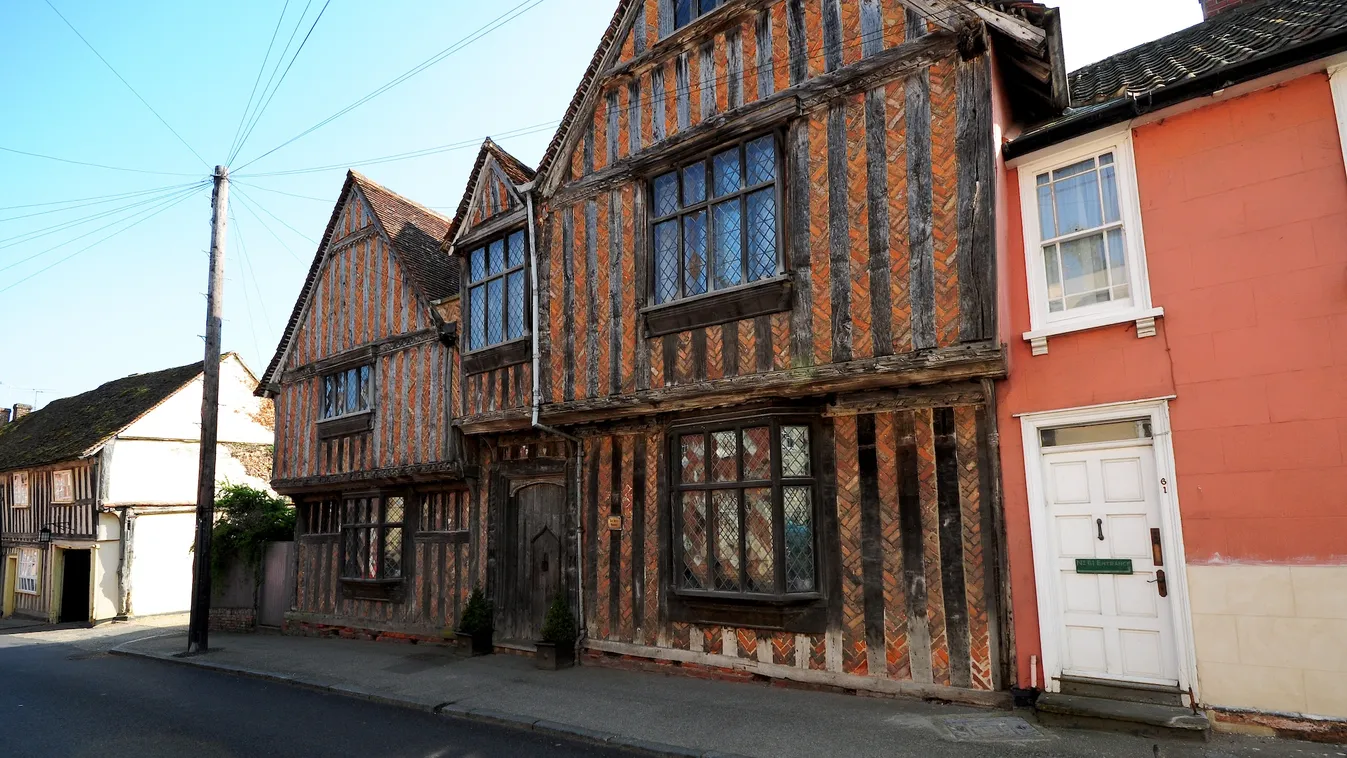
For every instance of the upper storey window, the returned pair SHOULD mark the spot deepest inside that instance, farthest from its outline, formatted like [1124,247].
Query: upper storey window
[715,221]
[497,292]
[347,392]
[686,11]
[1083,242]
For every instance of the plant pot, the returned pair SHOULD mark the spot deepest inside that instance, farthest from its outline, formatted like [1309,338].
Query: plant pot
[552,656]
[482,643]
[463,642]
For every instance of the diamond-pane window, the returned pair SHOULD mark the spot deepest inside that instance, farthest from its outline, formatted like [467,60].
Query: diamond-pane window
[346,392]
[497,305]
[743,495]
[372,538]
[514,299]
[715,221]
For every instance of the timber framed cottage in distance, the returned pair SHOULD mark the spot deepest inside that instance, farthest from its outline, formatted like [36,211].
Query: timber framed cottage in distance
[727,357]
[363,380]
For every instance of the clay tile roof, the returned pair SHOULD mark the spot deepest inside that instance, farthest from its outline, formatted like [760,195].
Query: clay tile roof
[415,232]
[514,169]
[1245,33]
[73,427]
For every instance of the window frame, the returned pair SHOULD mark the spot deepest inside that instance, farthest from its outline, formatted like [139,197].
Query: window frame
[379,528]
[705,157]
[469,283]
[36,577]
[695,13]
[775,419]
[68,497]
[16,489]
[368,394]
[1043,322]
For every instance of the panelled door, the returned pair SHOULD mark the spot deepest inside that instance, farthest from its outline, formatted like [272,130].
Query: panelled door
[536,545]
[1103,502]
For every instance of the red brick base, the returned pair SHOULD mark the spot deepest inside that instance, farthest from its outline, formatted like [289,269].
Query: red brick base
[309,629]
[236,620]
[1285,726]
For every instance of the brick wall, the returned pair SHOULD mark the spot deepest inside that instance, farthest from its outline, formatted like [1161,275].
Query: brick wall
[236,620]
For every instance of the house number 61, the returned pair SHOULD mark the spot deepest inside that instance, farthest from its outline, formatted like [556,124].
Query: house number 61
[1164,484]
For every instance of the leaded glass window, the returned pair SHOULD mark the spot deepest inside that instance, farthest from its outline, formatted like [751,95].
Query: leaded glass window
[715,221]
[497,292]
[347,391]
[687,11]
[743,508]
[372,537]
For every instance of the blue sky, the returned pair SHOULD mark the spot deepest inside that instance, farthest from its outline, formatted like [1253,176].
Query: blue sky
[134,303]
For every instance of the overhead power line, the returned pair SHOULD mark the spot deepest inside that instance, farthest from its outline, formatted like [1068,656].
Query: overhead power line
[278,218]
[153,213]
[128,84]
[260,111]
[247,107]
[164,198]
[95,165]
[486,29]
[92,201]
[48,230]
[248,207]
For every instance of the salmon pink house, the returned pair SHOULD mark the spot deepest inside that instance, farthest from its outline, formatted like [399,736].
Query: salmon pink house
[1173,298]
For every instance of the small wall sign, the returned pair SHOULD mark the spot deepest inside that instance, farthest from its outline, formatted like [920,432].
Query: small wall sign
[614,522]
[1103,565]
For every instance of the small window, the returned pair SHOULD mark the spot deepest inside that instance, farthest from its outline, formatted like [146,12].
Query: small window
[497,292]
[349,391]
[714,221]
[1084,246]
[744,509]
[372,537]
[20,483]
[62,486]
[686,11]
[1113,431]
[321,517]
[29,560]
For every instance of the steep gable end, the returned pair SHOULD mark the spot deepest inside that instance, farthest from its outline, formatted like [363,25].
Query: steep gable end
[492,189]
[375,275]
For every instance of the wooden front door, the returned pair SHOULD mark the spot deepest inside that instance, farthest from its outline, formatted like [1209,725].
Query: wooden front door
[536,543]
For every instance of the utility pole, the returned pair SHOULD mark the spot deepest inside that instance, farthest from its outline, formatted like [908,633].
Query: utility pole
[198,625]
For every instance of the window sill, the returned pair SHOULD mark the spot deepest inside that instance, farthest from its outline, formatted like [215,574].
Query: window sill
[498,356]
[804,614]
[1144,318]
[389,590]
[351,423]
[745,301]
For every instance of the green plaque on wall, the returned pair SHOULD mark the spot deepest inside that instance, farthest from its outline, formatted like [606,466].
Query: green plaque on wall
[1103,565]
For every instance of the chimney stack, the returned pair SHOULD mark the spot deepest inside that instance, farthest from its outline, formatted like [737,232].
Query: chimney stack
[1212,7]
[4,416]
[21,410]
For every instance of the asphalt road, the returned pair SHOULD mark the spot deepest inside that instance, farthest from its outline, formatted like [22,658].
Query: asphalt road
[62,700]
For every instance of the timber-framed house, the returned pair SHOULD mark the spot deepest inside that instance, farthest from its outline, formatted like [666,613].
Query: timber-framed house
[363,379]
[727,357]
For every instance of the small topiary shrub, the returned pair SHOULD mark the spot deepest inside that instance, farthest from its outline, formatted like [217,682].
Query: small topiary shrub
[476,614]
[559,625]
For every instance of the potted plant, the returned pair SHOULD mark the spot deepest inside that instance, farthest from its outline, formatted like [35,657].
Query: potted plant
[556,650]
[475,626]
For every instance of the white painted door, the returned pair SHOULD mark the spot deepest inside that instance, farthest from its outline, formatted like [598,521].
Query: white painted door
[1103,502]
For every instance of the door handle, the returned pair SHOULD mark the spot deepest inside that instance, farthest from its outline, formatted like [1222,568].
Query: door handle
[1099,524]
[1161,585]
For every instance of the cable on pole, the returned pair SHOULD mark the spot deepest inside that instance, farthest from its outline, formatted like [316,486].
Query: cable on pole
[247,107]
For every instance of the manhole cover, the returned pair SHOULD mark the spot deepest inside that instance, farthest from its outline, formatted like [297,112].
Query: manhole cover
[995,729]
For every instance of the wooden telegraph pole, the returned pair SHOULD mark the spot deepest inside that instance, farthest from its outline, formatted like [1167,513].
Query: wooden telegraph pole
[198,625]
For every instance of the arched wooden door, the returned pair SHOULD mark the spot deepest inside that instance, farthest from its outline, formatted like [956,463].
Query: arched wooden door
[537,546]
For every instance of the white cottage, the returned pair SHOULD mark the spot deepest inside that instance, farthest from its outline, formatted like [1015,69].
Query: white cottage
[98,492]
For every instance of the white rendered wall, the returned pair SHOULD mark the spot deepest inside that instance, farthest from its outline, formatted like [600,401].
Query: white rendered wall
[161,567]
[153,472]
[179,417]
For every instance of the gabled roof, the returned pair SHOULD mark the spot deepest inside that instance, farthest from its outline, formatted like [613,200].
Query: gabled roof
[414,232]
[1235,46]
[74,427]
[1047,56]
[514,169]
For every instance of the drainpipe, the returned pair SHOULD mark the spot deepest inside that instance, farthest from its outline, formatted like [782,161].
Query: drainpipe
[577,443]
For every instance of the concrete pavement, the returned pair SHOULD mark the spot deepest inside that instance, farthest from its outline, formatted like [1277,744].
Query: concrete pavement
[674,715]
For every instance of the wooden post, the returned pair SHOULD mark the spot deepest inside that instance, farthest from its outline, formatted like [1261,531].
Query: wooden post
[198,624]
